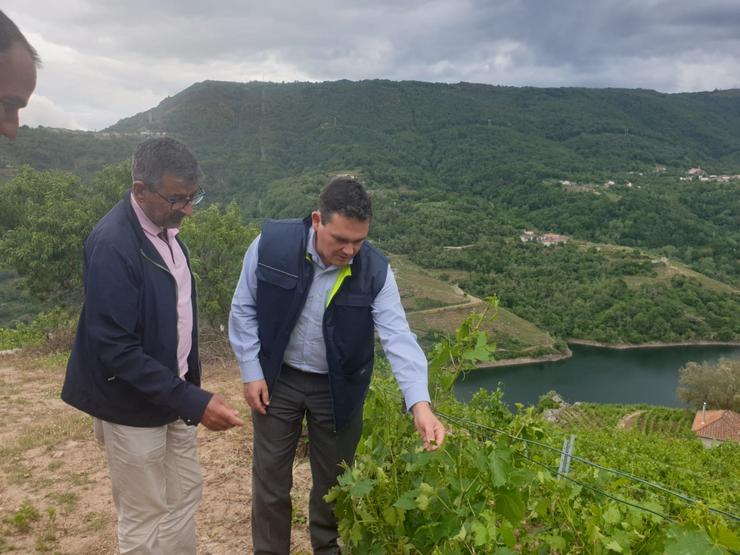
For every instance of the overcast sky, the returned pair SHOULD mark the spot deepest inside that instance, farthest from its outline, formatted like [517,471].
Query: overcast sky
[105,60]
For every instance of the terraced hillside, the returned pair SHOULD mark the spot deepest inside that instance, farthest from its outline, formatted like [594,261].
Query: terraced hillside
[436,307]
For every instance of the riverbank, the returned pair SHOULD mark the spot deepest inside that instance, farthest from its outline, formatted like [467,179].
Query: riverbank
[527,360]
[653,344]
[618,346]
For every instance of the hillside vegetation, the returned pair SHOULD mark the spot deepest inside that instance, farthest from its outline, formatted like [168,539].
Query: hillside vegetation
[458,172]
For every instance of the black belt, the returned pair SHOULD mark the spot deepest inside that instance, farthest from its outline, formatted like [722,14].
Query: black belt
[289,367]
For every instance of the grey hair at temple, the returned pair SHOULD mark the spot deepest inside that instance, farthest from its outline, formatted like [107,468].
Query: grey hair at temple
[156,157]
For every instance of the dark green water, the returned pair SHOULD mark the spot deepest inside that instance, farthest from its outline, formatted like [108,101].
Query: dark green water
[597,375]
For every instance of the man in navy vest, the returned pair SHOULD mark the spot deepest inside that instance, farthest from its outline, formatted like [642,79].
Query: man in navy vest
[302,323]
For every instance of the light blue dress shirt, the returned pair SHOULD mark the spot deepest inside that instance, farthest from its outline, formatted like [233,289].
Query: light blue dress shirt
[306,349]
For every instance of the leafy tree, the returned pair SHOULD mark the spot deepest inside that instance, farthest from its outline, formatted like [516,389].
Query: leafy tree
[217,240]
[51,214]
[716,384]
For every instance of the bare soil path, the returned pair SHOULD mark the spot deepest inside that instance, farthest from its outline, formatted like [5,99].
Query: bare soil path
[54,488]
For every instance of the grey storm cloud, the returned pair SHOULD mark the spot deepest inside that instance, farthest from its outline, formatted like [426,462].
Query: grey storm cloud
[116,58]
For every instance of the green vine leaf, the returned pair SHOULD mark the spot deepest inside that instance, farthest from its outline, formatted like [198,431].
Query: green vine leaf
[689,541]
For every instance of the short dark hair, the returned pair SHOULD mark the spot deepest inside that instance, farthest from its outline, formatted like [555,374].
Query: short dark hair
[9,33]
[345,195]
[155,157]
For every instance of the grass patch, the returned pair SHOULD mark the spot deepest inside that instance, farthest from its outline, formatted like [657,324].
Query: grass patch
[54,360]
[55,465]
[71,426]
[420,290]
[5,546]
[80,479]
[95,522]
[67,500]
[23,518]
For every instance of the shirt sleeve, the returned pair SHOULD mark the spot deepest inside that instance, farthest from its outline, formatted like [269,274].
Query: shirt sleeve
[407,360]
[243,319]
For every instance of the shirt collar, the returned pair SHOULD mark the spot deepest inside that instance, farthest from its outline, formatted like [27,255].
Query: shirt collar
[146,224]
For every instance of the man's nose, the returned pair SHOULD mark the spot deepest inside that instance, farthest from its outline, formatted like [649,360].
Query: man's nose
[9,125]
[187,209]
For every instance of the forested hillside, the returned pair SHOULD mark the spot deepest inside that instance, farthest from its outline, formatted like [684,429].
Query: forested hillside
[460,171]
[462,136]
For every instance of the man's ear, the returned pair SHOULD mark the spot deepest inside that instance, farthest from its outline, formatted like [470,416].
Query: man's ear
[138,188]
[315,219]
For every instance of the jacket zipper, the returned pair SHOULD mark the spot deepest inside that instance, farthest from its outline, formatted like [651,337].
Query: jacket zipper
[177,297]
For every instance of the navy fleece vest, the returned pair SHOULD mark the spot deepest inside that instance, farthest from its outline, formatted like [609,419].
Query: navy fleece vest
[284,275]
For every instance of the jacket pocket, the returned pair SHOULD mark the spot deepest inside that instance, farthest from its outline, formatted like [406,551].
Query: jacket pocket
[276,276]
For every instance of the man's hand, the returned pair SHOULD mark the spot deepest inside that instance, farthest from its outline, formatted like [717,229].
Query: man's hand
[256,396]
[219,415]
[428,425]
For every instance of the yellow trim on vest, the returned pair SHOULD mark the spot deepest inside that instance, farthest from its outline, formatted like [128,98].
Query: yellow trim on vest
[343,273]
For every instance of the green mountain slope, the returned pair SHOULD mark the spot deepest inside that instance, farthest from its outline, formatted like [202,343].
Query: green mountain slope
[254,132]
[474,166]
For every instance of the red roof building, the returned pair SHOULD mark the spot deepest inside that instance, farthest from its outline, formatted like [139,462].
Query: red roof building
[714,426]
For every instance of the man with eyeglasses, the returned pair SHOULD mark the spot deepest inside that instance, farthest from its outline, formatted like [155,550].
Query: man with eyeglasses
[18,61]
[134,365]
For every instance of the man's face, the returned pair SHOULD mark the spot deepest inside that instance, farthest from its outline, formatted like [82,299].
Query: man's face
[155,205]
[340,238]
[17,82]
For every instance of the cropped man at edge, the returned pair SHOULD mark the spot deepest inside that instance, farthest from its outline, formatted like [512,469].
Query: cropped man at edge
[134,365]
[18,62]
[302,322]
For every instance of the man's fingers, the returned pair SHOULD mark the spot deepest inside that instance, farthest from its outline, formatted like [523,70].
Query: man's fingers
[430,429]
[219,415]
[434,439]
[256,403]
[256,395]
[430,439]
[234,419]
[440,435]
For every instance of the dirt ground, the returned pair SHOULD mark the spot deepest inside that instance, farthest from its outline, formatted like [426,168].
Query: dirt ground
[55,492]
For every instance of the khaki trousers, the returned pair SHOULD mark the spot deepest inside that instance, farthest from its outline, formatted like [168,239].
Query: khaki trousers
[157,486]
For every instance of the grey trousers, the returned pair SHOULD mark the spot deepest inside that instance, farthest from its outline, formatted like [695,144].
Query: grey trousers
[295,395]
[157,486]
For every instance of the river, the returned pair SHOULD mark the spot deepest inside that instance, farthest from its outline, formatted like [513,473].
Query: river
[597,375]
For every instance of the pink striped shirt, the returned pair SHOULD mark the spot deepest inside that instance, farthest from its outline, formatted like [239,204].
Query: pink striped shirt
[178,267]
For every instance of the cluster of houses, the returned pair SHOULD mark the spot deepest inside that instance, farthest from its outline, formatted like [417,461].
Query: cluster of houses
[701,175]
[547,239]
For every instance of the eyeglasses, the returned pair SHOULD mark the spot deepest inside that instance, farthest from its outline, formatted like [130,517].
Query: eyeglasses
[178,203]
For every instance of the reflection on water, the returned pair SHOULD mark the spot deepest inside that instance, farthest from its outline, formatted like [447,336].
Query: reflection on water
[598,375]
